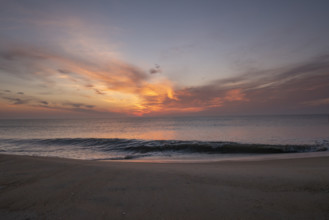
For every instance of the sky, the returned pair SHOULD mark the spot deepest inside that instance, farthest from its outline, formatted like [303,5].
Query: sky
[111,58]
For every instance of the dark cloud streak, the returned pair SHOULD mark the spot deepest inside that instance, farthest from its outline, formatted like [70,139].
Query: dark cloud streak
[156,69]
[99,92]
[78,105]
[44,102]
[16,101]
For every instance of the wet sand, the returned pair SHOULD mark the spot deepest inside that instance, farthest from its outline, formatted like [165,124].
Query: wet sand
[52,188]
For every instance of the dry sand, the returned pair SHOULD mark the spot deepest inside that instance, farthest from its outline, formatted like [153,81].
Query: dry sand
[50,188]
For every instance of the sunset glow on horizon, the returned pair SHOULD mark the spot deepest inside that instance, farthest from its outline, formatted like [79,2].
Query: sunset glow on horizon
[113,58]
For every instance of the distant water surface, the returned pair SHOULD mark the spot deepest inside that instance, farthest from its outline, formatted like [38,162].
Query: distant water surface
[111,138]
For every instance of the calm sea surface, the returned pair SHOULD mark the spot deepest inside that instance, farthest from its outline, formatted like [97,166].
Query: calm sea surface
[130,138]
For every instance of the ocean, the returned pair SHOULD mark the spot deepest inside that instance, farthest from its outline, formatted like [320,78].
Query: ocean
[166,138]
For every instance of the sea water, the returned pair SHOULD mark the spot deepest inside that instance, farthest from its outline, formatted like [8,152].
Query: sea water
[164,137]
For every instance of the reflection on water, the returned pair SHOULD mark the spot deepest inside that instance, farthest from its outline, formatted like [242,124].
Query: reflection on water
[253,129]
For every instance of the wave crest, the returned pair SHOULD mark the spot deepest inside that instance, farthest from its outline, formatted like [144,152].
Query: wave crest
[159,146]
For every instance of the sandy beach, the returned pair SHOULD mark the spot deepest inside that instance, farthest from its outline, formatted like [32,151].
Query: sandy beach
[52,188]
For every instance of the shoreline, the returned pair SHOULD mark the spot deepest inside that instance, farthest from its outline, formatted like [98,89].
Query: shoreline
[54,188]
[211,158]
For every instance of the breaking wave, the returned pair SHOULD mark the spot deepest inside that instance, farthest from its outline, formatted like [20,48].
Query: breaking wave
[124,149]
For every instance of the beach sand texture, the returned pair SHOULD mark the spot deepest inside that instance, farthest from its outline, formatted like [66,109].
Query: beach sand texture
[52,188]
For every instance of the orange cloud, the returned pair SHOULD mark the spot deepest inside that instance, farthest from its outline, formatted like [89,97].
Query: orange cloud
[235,95]
[107,84]
[84,72]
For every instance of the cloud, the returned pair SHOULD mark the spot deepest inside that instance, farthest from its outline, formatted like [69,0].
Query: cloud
[127,88]
[273,91]
[156,69]
[117,80]
[15,54]
[235,95]
[63,71]
[99,92]
[317,102]
[78,105]
[77,66]
[45,64]
[16,101]
[15,98]
[44,102]
[31,102]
